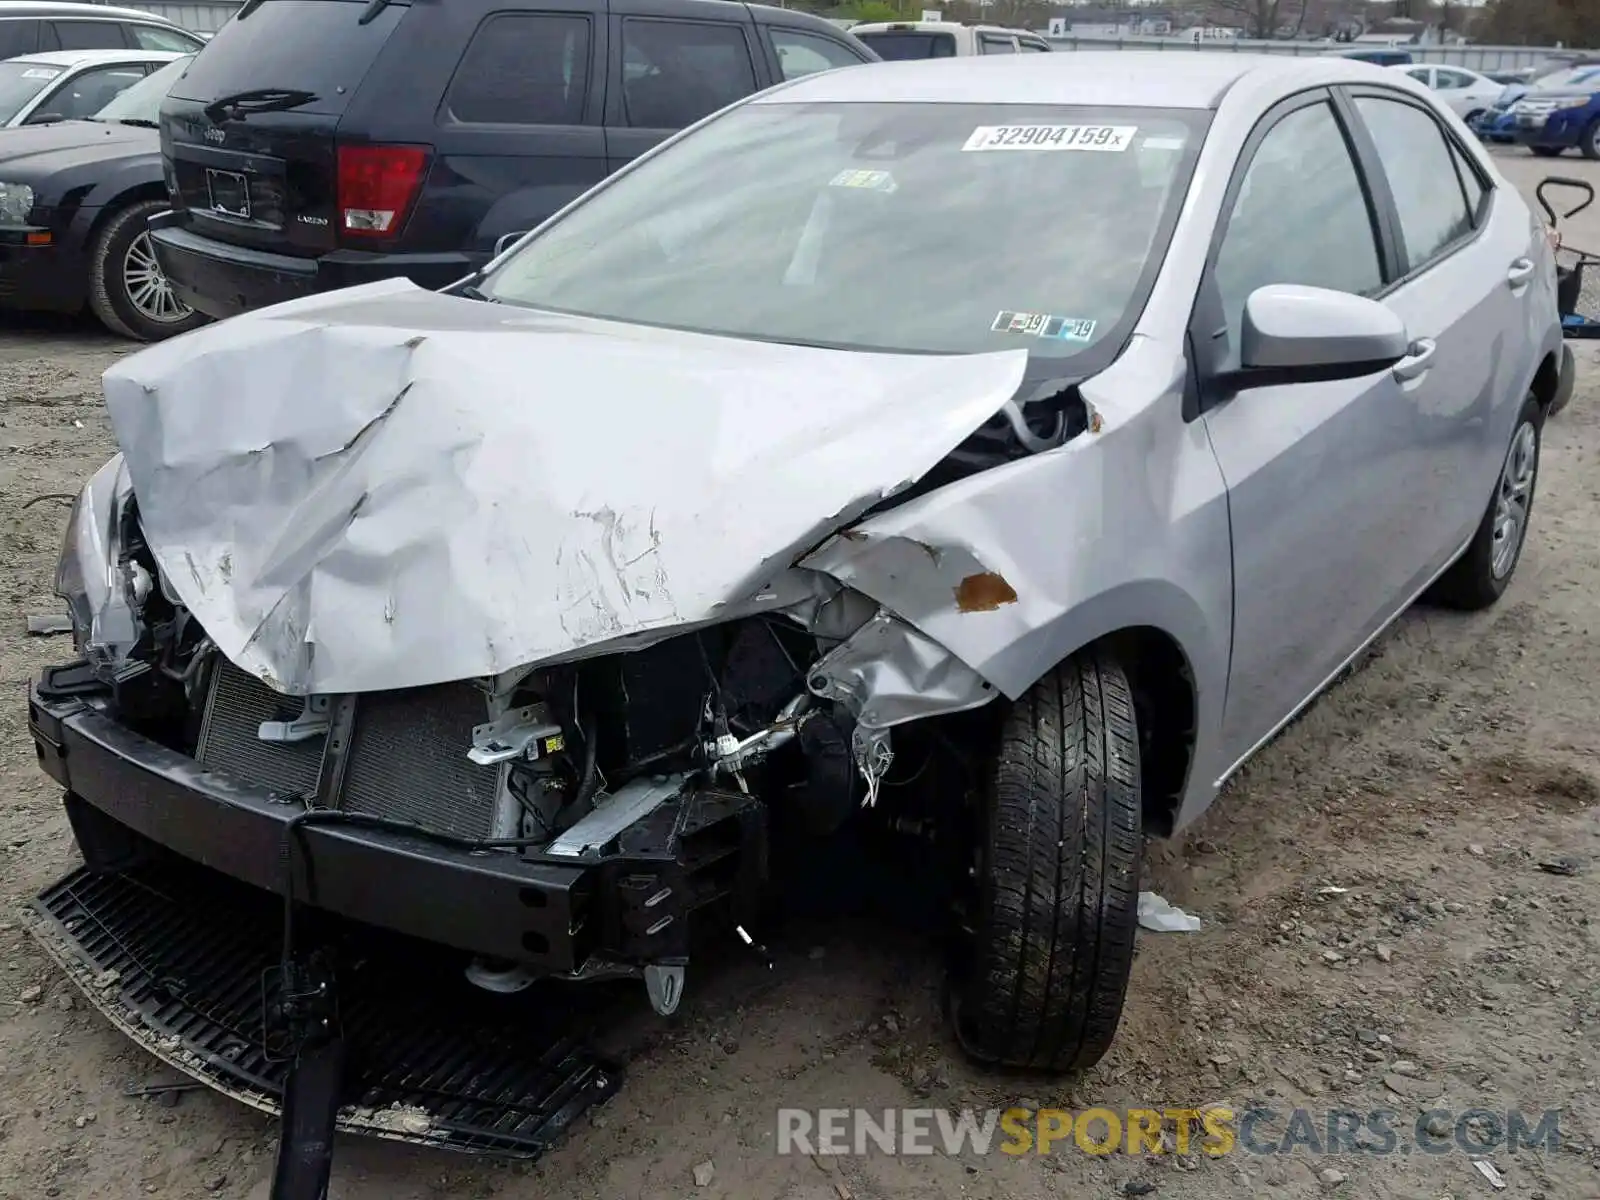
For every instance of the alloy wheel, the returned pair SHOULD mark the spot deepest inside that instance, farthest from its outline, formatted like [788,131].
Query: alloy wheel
[149,290]
[1512,499]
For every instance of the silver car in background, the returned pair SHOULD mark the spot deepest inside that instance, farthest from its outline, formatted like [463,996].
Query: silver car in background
[1062,425]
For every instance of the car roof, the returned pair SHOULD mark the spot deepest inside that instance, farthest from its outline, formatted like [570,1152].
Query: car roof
[68,59]
[62,8]
[1097,79]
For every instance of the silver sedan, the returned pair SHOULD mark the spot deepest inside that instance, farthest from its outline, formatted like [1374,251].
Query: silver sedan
[999,448]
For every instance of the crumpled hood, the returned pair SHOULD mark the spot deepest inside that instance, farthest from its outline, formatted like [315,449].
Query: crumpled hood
[388,487]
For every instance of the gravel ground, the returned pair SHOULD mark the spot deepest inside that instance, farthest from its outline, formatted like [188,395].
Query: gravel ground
[1453,972]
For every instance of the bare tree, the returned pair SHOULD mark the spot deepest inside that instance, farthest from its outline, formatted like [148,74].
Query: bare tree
[1263,18]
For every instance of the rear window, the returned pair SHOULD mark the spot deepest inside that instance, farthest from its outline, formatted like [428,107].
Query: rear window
[317,46]
[897,46]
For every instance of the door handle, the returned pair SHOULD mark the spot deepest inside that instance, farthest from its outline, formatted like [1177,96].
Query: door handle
[1521,271]
[1419,362]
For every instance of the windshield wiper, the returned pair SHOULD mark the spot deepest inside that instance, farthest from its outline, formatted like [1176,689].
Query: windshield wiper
[371,11]
[141,122]
[266,99]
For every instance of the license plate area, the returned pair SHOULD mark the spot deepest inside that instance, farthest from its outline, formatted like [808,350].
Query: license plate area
[228,193]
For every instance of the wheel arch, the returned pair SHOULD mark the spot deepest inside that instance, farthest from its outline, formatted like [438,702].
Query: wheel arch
[135,194]
[1547,380]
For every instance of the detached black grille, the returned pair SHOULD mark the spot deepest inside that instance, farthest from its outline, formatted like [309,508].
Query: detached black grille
[407,759]
[177,955]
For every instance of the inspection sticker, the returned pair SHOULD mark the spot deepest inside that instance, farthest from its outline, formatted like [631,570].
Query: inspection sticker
[874,181]
[1070,329]
[40,73]
[1051,137]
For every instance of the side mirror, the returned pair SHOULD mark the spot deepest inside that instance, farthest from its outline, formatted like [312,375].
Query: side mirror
[1296,334]
[507,239]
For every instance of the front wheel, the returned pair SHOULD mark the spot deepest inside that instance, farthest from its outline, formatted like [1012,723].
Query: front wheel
[1481,575]
[1546,151]
[1056,876]
[128,291]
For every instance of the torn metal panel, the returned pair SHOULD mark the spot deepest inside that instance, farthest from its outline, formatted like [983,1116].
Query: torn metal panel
[1013,569]
[888,674]
[99,590]
[410,488]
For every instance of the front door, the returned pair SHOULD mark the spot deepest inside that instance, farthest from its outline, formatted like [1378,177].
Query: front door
[1324,540]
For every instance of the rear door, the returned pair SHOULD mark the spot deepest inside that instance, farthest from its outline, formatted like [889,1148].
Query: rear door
[518,129]
[248,130]
[1464,281]
[676,61]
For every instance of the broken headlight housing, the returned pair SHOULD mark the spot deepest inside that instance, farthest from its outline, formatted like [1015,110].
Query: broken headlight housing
[102,591]
[16,202]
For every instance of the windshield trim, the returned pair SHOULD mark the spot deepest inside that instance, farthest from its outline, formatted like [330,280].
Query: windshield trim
[1081,365]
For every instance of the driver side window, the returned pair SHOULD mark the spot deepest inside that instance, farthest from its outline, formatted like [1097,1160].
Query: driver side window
[1301,216]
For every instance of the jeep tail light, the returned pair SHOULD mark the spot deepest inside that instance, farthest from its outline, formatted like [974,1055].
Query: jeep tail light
[377,186]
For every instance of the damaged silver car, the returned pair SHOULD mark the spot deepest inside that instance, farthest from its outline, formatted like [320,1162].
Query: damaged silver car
[999,449]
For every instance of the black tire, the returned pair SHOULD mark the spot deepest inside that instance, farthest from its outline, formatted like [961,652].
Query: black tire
[1589,145]
[1546,151]
[1043,982]
[109,296]
[1472,583]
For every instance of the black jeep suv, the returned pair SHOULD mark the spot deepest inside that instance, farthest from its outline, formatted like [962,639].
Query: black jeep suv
[317,144]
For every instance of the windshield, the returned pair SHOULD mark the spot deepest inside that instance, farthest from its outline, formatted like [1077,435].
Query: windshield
[141,103]
[897,46]
[934,228]
[20,82]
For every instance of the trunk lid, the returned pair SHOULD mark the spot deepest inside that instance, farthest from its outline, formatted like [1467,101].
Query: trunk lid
[248,133]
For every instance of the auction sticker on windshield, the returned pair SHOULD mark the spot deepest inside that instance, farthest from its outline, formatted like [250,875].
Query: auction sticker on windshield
[1051,137]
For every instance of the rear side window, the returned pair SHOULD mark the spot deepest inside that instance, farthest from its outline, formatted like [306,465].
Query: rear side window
[18,37]
[992,44]
[806,53]
[315,46]
[1471,183]
[1422,176]
[89,35]
[523,69]
[897,46]
[153,37]
[675,72]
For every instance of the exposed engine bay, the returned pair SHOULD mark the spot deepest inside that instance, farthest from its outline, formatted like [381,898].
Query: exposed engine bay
[665,769]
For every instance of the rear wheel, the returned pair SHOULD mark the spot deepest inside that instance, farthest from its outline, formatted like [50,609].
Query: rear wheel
[1057,875]
[128,291]
[1590,145]
[1481,575]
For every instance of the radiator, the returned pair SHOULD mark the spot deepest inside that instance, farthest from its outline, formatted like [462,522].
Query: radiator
[407,758]
[237,704]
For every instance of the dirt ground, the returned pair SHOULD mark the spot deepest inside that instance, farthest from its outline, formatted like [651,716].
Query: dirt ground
[1452,973]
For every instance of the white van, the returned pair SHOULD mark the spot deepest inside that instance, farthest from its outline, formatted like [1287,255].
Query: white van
[897,40]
